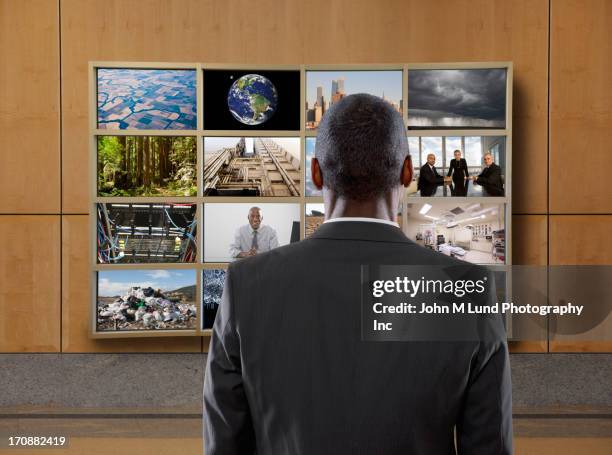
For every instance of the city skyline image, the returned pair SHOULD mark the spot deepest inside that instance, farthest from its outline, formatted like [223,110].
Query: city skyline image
[324,88]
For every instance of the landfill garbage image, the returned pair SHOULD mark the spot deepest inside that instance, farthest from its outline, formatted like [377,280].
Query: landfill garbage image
[146,300]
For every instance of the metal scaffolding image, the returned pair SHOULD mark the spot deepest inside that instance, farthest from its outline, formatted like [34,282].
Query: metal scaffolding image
[252,167]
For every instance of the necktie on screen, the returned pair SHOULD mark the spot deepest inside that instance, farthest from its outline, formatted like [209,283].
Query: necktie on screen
[254,242]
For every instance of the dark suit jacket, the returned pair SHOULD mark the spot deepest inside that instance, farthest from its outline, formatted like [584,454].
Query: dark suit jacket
[288,374]
[459,169]
[428,177]
[491,179]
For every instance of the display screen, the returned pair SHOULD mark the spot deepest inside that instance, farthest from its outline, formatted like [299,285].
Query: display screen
[251,100]
[461,98]
[146,233]
[309,148]
[472,232]
[462,166]
[146,99]
[140,300]
[315,215]
[325,88]
[229,229]
[213,281]
[146,166]
[252,166]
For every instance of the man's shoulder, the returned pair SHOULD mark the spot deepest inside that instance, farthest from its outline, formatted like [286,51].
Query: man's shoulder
[314,250]
[271,260]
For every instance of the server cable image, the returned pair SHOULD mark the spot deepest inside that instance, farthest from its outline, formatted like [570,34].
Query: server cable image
[140,233]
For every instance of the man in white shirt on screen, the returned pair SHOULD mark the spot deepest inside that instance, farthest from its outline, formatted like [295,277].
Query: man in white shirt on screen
[253,238]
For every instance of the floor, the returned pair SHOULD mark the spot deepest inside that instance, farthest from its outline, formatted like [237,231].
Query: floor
[151,435]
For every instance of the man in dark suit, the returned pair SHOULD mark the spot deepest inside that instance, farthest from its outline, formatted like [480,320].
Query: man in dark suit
[428,174]
[429,179]
[288,372]
[491,177]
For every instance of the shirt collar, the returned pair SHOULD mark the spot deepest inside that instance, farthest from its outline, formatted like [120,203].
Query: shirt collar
[361,218]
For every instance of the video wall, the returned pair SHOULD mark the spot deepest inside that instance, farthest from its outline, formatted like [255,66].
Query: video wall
[196,166]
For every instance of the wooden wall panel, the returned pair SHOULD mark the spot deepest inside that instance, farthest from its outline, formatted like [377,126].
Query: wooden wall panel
[529,240]
[581,106]
[29,107]
[316,31]
[76,299]
[530,248]
[29,283]
[596,339]
[582,240]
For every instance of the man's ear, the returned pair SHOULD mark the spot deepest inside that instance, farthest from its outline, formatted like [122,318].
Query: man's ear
[407,171]
[317,176]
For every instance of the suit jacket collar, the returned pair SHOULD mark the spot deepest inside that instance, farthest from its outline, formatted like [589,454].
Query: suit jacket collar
[360,230]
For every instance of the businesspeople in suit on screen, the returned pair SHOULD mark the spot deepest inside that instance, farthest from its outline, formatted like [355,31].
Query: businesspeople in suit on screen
[254,237]
[429,178]
[491,177]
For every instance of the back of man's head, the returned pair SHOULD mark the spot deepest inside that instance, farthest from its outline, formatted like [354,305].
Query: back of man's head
[361,146]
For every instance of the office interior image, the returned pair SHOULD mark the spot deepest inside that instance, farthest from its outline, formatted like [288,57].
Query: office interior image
[470,231]
[458,183]
[252,166]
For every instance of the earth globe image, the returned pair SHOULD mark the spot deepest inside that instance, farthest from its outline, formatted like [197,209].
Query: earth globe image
[252,99]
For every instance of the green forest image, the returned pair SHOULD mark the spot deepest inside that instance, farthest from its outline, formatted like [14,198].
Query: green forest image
[146,166]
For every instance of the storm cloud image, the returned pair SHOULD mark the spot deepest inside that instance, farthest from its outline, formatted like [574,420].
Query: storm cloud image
[471,98]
